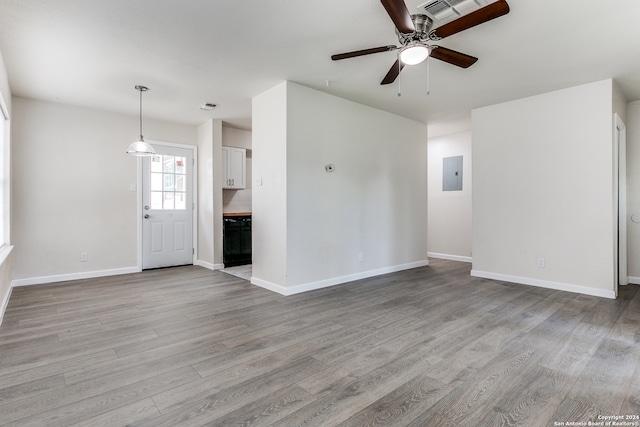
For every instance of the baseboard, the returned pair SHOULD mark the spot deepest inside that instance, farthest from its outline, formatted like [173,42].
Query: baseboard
[73,276]
[312,286]
[5,278]
[208,265]
[5,304]
[270,286]
[450,257]
[545,284]
[634,280]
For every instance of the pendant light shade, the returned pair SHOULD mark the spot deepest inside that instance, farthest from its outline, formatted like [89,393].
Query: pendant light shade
[141,147]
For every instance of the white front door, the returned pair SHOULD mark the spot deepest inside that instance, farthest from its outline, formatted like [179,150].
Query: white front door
[167,207]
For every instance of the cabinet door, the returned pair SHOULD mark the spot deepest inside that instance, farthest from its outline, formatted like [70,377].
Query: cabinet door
[236,168]
[233,164]
[232,240]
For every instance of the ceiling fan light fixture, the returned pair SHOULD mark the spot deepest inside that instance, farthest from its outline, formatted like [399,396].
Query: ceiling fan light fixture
[414,53]
[141,147]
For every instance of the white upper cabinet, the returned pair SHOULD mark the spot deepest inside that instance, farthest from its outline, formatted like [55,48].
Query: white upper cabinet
[234,162]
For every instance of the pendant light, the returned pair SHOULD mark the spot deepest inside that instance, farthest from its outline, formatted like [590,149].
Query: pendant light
[141,147]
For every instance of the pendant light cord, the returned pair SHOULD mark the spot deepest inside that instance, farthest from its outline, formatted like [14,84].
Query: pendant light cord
[141,114]
[428,76]
[399,71]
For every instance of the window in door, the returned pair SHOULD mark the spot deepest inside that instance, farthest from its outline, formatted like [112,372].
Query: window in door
[168,182]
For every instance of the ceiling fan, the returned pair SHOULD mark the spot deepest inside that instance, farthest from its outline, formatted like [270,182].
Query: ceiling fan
[414,32]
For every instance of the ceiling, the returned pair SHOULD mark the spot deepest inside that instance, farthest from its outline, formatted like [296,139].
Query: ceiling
[92,53]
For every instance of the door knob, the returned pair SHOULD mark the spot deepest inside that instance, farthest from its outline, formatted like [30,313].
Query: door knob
[146,216]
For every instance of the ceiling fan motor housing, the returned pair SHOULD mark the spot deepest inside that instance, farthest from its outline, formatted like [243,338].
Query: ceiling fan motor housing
[422,24]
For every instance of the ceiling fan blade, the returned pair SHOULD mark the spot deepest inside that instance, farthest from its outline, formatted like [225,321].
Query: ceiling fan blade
[487,13]
[393,73]
[363,52]
[400,16]
[452,57]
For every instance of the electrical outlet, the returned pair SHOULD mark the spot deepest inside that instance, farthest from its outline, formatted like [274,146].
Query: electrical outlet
[84,257]
[540,262]
[360,257]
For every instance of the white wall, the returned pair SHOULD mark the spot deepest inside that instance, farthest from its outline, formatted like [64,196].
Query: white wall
[449,212]
[238,200]
[71,188]
[543,188]
[6,253]
[269,199]
[233,137]
[633,190]
[374,203]
[210,216]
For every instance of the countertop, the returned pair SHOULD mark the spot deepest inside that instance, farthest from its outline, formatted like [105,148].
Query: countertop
[231,214]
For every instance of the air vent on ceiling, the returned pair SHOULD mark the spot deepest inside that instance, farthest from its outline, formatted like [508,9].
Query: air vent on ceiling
[443,11]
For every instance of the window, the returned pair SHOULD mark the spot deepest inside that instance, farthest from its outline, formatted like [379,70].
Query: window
[168,182]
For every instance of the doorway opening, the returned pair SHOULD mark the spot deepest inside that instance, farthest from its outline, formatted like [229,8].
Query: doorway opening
[620,158]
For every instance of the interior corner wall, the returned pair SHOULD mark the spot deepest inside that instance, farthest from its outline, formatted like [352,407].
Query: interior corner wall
[450,212]
[269,198]
[209,136]
[543,190]
[633,191]
[72,189]
[369,214]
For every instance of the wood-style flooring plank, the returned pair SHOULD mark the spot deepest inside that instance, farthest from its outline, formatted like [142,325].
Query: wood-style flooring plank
[532,400]
[608,371]
[575,411]
[431,346]
[197,411]
[402,405]
[467,359]
[345,370]
[129,415]
[573,354]
[78,410]
[631,403]
[263,347]
[25,373]
[27,389]
[267,410]
[353,397]
[474,398]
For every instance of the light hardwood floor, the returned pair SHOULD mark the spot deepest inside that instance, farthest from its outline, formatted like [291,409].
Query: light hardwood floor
[426,347]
